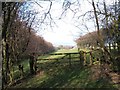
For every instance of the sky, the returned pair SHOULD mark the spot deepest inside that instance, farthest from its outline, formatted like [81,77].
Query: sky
[64,31]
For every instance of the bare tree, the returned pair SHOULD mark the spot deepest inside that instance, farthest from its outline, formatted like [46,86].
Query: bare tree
[9,11]
[13,25]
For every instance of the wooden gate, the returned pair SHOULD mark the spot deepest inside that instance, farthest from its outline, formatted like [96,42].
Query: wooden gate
[84,58]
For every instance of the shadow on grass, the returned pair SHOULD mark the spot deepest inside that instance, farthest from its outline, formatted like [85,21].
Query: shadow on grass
[69,77]
[61,75]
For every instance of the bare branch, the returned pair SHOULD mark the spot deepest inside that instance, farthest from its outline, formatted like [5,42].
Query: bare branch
[96,17]
[47,13]
[38,4]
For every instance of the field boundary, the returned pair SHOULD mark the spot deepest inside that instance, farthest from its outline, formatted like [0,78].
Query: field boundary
[82,57]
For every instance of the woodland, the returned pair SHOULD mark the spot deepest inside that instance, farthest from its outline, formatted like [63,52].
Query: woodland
[98,52]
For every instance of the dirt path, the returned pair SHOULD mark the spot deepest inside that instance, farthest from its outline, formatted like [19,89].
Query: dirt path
[105,72]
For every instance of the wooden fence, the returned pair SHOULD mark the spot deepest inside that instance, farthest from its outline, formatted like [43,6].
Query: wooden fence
[84,58]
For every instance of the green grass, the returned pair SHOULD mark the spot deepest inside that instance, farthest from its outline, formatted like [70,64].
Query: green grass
[50,56]
[59,56]
[59,74]
[67,51]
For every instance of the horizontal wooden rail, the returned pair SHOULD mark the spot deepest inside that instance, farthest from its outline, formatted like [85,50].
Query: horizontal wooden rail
[47,59]
[63,53]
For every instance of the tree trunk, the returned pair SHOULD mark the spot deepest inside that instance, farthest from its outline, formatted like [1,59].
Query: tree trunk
[103,48]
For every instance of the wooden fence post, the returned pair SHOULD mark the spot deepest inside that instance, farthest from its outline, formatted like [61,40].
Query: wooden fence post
[91,58]
[98,59]
[70,60]
[84,54]
[109,46]
[81,58]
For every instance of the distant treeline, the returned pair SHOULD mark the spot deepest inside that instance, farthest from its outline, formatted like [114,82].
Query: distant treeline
[92,40]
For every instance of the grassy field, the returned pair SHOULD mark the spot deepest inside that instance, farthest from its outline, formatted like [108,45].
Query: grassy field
[55,74]
[58,51]
[67,51]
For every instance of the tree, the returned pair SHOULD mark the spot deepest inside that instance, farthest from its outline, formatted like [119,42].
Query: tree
[9,13]
[15,32]
[88,40]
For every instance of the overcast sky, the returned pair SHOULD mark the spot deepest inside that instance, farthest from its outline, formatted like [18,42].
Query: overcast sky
[65,30]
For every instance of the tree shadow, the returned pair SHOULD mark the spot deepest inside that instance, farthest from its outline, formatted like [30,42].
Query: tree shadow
[61,75]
